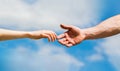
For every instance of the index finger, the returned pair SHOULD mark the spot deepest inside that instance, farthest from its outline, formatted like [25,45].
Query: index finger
[61,36]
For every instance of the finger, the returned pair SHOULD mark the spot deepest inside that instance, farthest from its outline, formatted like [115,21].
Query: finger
[66,42]
[65,26]
[69,45]
[61,36]
[51,36]
[71,41]
[47,36]
[63,41]
[55,36]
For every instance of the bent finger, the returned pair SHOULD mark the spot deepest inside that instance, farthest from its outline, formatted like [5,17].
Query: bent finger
[55,36]
[63,42]
[69,44]
[51,36]
[47,36]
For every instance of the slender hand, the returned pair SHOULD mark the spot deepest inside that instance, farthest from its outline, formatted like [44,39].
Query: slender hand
[10,34]
[73,36]
[43,34]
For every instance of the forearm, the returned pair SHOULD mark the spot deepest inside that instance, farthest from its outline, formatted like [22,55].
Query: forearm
[107,28]
[9,34]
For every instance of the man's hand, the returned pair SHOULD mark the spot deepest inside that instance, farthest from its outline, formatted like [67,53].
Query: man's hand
[73,36]
[43,34]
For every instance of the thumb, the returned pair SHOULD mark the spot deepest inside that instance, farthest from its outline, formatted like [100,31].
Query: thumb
[65,26]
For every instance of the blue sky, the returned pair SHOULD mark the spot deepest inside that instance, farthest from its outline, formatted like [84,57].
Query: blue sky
[41,55]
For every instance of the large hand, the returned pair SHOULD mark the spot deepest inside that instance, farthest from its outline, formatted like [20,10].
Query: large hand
[43,34]
[73,36]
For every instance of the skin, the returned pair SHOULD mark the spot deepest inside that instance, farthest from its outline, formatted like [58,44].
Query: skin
[75,35]
[10,34]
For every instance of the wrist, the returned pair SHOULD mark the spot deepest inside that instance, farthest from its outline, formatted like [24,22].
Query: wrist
[90,33]
[85,32]
[28,34]
[34,34]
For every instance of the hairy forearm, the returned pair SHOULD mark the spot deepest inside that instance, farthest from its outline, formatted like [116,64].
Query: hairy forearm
[9,34]
[107,28]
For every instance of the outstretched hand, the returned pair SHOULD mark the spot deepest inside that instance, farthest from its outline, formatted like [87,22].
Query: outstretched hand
[43,34]
[72,36]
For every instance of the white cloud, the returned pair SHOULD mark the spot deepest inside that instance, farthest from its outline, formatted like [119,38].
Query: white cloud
[111,47]
[95,57]
[47,58]
[48,13]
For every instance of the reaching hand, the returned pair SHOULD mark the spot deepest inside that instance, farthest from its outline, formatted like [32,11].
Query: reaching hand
[73,36]
[43,34]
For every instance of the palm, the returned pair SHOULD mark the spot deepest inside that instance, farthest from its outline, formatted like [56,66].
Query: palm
[73,33]
[72,37]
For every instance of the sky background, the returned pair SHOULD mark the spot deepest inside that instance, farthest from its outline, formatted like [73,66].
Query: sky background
[41,55]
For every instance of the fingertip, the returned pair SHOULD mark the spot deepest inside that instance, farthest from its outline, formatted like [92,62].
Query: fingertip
[55,37]
[62,26]
[61,23]
[58,37]
[61,42]
[49,39]
[69,45]
[52,37]
[61,36]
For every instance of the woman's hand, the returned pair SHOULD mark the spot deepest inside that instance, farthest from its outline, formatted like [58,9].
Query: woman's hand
[43,34]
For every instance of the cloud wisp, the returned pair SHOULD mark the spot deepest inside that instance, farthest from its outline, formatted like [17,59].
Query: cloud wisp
[47,58]
[111,47]
[42,14]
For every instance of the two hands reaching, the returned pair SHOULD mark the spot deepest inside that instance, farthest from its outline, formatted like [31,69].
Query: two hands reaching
[71,37]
